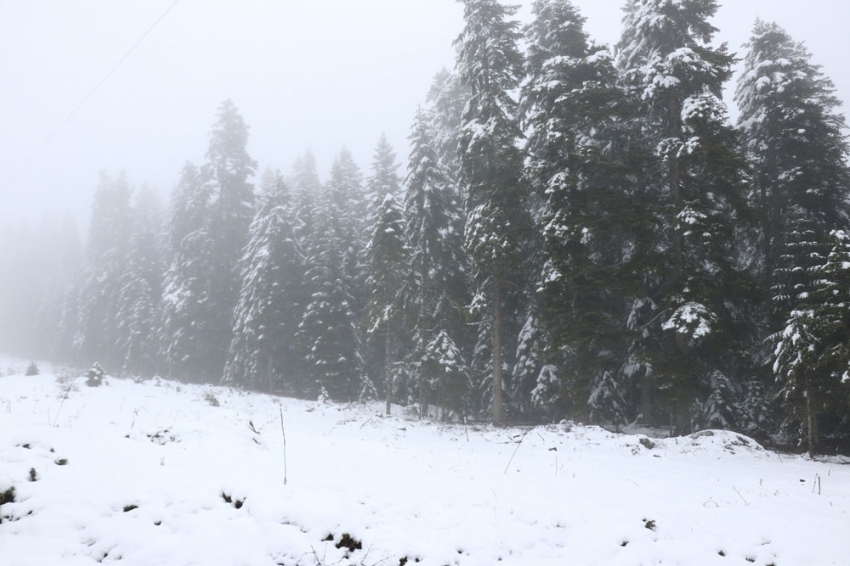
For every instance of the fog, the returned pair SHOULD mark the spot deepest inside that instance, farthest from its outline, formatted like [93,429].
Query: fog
[305,75]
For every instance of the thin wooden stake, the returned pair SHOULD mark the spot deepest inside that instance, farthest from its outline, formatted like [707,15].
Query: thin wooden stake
[283,430]
[518,444]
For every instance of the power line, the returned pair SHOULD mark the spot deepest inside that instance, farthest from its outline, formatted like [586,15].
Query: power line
[73,113]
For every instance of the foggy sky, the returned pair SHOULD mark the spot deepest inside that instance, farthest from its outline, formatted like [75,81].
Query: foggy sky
[305,74]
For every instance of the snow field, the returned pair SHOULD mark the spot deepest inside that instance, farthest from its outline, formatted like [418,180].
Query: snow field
[150,466]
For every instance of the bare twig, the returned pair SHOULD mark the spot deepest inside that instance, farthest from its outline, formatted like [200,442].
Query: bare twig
[518,444]
[62,402]
[741,496]
[283,430]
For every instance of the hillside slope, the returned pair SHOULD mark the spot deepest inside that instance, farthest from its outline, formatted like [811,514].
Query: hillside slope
[160,473]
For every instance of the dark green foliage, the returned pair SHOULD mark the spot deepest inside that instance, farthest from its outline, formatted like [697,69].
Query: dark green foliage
[99,283]
[7,496]
[388,263]
[574,107]
[349,542]
[272,299]
[448,376]
[385,179]
[489,64]
[436,291]
[693,183]
[795,142]
[328,332]
[212,211]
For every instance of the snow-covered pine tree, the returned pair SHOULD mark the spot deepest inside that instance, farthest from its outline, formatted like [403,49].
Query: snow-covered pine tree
[262,354]
[434,234]
[184,349]
[212,212]
[692,175]
[349,213]
[446,101]
[384,179]
[798,347]
[387,262]
[141,289]
[793,139]
[497,223]
[328,334]
[306,189]
[107,250]
[227,170]
[444,361]
[810,357]
[573,109]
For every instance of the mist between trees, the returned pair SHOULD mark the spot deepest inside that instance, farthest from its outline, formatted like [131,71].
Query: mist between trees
[580,234]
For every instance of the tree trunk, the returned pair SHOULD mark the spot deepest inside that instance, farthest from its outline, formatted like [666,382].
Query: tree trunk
[811,421]
[423,378]
[498,411]
[388,367]
[646,401]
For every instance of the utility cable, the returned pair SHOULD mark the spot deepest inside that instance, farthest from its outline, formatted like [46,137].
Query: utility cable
[73,113]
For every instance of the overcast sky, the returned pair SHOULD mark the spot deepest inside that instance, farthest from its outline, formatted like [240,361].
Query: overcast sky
[306,74]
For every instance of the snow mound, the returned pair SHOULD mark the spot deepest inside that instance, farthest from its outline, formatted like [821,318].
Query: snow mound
[720,441]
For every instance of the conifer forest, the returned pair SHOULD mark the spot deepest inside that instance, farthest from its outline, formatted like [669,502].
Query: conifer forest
[579,232]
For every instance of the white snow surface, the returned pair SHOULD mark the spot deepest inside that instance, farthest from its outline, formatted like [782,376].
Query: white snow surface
[434,493]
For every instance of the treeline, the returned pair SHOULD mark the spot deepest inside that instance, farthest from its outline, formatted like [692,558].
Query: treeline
[580,234]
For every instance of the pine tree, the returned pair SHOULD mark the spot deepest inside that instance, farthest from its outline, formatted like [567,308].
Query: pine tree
[573,108]
[445,362]
[306,189]
[384,179]
[227,170]
[212,212]
[183,345]
[141,289]
[810,357]
[328,332]
[434,234]
[387,261]
[271,301]
[693,179]
[99,290]
[348,209]
[793,138]
[446,102]
[490,65]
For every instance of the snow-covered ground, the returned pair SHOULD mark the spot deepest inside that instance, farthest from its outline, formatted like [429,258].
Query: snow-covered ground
[157,473]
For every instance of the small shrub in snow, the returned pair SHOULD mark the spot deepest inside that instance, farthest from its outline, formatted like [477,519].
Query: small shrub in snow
[237,503]
[7,496]
[211,399]
[323,395]
[32,369]
[349,542]
[94,378]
